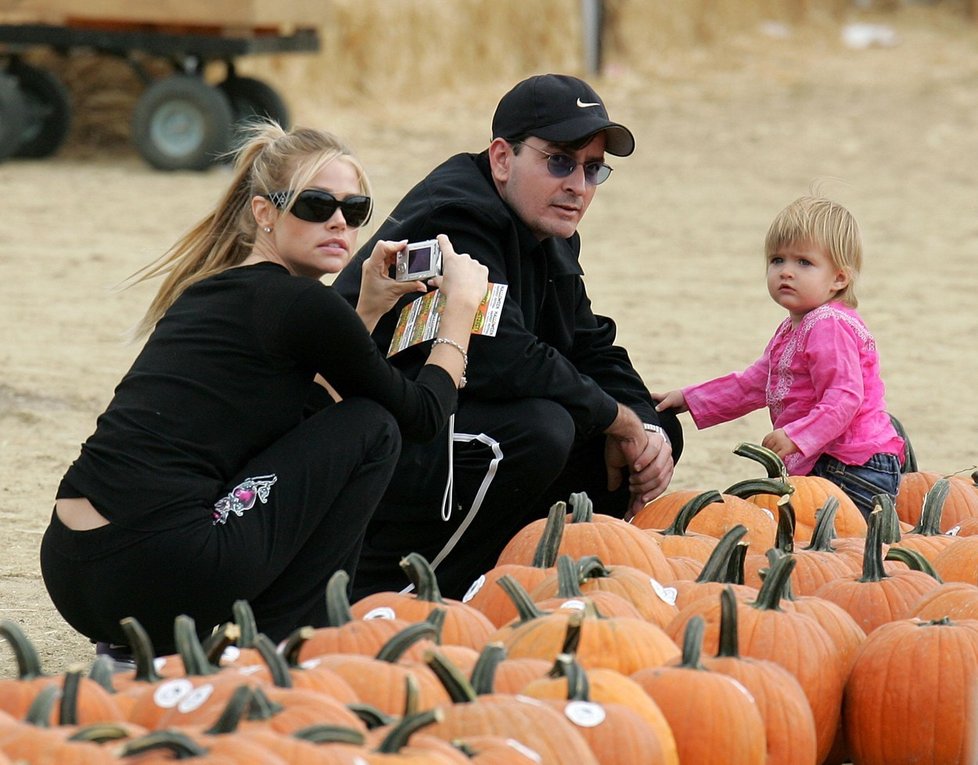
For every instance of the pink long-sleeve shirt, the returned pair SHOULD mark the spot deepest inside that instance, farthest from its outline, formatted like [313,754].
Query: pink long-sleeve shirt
[820,382]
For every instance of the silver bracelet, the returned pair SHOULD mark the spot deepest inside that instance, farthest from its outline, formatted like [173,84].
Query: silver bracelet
[650,428]
[465,357]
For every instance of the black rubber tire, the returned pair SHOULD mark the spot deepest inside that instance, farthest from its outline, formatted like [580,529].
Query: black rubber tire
[182,123]
[48,111]
[13,116]
[251,98]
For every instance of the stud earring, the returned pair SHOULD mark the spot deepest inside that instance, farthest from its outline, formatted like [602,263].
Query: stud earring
[267,229]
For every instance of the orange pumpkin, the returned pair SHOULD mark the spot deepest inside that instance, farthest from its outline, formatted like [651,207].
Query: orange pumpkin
[961,502]
[788,722]
[926,714]
[464,625]
[808,494]
[712,716]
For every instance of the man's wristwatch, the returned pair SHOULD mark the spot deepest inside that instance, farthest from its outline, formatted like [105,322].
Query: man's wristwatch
[657,429]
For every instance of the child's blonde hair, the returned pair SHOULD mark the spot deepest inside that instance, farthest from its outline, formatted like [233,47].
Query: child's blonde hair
[267,159]
[821,222]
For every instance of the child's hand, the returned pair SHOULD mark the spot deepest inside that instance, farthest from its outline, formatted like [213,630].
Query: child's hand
[779,443]
[674,399]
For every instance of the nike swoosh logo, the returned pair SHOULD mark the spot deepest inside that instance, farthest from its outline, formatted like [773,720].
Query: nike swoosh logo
[584,105]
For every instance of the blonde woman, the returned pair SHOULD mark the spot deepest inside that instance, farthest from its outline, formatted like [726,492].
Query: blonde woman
[819,375]
[220,469]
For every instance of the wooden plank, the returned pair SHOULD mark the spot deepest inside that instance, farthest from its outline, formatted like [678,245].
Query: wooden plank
[263,14]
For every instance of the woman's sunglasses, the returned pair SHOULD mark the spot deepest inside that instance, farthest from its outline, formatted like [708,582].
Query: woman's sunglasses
[317,206]
[561,166]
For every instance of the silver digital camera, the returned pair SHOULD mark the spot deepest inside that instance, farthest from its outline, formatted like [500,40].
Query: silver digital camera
[419,260]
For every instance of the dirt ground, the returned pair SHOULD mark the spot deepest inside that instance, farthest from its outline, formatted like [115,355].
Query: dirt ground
[726,136]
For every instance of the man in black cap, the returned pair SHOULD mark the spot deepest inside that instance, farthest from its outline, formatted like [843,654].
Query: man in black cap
[552,406]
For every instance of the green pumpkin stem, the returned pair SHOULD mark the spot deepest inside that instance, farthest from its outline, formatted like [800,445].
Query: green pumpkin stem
[929,523]
[777,582]
[680,524]
[422,575]
[578,684]
[526,609]
[338,611]
[460,690]
[70,688]
[102,671]
[824,531]
[729,642]
[244,617]
[773,465]
[572,635]
[582,508]
[239,705]
[393,650]
[873,570]
[322,733]
[178,743]
[553,532]
[890,532]
[214,644]
[718,563]
[28,660]
[913,560]
[483,677]
[292,646]
[277,664]
[568,578]
[784,539]
[751,487]
[736,564]
[406,727]
[693,643]
[142,649]
[195,661]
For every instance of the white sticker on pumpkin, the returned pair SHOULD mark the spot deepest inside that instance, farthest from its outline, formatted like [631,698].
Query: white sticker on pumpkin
[381,612]
[230,653]
[193,701]
[667,594]
[585,714]
[169,692]
[953,532]
[577,605]
[474,588]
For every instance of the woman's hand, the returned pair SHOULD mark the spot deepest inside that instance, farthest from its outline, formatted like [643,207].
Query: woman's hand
[463,279]
[378,291]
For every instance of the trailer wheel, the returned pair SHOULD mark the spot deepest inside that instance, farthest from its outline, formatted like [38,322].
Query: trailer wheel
[182,123]
[252,98]
[13,116]
[48,111]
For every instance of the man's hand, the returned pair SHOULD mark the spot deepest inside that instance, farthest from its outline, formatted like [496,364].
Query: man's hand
[646,456]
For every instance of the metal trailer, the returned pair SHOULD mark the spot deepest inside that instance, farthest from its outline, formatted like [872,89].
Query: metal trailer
[179,121]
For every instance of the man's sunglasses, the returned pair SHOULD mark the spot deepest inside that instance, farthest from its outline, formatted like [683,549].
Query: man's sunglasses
[561,166]
[317,206]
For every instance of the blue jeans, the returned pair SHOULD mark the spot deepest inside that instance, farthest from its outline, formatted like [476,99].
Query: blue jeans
[879,475]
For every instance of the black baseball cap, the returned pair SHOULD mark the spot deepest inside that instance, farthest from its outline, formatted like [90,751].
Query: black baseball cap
[561,109]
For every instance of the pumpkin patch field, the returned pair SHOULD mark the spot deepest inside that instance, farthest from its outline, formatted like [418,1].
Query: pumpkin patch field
[742,617]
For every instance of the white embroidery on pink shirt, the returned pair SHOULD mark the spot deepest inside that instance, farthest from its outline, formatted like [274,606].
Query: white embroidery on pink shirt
[781,370]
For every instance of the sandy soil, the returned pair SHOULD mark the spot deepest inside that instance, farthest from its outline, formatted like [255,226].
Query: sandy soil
[671,245]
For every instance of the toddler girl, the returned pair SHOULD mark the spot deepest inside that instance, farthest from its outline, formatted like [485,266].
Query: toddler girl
[819,376]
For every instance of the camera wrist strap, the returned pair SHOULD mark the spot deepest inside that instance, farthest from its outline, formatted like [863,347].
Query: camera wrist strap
[446,500]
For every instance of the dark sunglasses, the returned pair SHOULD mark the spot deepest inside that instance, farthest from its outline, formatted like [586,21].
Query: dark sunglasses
[561,166]
[317,206]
